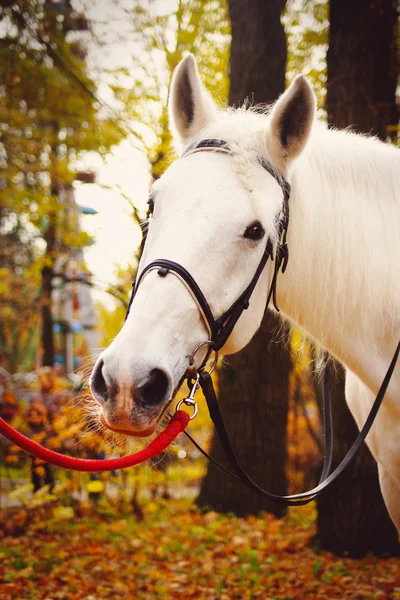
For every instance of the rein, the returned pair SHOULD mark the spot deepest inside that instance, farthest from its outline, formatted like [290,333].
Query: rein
[326,478]
[219,331]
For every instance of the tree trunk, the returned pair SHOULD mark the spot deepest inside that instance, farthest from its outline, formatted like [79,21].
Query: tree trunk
[362,72]
[253,395]
[47,292]
[50,238]
[352,516]
[258,51]
[253,385]
[47,296]
[47,317]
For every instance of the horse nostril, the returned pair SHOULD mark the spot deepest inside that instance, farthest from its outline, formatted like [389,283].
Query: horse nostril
[155,389]
[97,382]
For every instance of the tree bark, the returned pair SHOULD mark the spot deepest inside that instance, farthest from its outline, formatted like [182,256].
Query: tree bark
[362,70]
[352,516]
[258,51]
[47,317]
[253,385]
[47,296]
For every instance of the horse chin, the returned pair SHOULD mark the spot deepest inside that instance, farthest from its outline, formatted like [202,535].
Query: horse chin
[129,430]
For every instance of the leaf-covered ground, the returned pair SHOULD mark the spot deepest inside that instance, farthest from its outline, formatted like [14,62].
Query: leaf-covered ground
[177,552]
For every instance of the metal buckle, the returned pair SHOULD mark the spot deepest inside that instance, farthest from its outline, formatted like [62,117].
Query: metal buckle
[190,401]
[193,378]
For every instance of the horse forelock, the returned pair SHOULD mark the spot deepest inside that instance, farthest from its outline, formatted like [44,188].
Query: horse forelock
[244,129]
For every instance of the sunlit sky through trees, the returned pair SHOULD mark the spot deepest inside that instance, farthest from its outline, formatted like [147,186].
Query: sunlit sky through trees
[116,235]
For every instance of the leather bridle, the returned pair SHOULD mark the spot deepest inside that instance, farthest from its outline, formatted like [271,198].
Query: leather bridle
[221,328]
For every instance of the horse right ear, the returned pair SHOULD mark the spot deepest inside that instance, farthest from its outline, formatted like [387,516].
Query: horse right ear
[291,121]
[191,109]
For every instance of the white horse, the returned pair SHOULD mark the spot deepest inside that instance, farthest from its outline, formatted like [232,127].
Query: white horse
[212,213]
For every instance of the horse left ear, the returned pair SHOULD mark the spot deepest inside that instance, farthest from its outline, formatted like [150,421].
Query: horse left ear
[291,120]
[191,109]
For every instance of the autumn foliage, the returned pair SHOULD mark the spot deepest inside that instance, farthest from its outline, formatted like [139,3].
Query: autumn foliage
[138,534]
[177,552]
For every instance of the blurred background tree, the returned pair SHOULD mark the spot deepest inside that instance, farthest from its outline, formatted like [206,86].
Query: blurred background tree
[254,384]
[196,26]
[49,115]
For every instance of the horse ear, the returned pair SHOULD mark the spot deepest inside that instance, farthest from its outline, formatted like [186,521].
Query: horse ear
[191,109]
[291,121]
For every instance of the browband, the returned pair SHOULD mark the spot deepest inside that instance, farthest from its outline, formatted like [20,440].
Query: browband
[222,146]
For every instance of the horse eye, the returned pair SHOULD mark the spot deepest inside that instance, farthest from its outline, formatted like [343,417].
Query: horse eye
[150,203]
[255,231]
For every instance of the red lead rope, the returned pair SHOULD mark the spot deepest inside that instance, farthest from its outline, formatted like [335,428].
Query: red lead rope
[176,425]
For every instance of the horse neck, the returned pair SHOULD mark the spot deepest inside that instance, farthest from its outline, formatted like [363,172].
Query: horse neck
[341,284]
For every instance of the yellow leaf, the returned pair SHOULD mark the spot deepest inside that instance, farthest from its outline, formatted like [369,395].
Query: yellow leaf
[118,526]
[63,513]
[21,491]
[95,487]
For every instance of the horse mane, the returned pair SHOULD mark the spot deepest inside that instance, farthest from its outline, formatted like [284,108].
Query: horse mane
[345,207]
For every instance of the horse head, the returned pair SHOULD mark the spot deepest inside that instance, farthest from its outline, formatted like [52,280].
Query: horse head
[213,212]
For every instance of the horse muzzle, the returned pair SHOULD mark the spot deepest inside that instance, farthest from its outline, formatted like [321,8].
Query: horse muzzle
[131,405]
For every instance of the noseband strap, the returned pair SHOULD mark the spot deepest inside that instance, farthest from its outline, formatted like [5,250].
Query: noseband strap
[221,328]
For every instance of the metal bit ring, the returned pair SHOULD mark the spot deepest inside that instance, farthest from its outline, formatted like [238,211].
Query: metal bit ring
[206,343]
